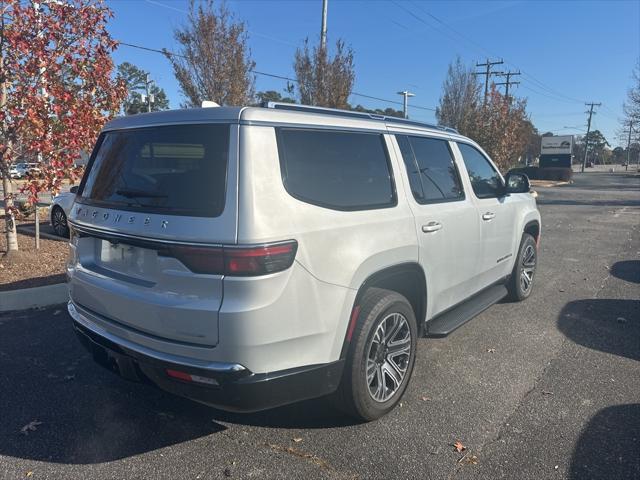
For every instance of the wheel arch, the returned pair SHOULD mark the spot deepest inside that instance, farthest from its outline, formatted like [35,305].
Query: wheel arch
[532,227]
[407,279]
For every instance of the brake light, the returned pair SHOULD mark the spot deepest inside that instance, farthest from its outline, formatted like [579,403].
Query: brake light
[235,261]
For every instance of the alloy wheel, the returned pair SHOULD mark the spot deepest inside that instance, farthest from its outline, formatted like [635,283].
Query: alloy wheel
[388,357]
[527,268]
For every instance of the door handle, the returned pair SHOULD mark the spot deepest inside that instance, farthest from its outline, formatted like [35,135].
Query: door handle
[431,227]
[488,216]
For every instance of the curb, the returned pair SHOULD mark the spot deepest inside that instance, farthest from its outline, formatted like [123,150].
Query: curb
[30,229]
[35,297]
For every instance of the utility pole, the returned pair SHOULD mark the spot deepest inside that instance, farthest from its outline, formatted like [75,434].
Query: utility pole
[586,138]
[323,28]
[508,82]
[149,97]
[406,94]
[487,73]
[629,145]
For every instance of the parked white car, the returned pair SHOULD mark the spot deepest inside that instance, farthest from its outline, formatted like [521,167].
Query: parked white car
[18,170]
[59,211]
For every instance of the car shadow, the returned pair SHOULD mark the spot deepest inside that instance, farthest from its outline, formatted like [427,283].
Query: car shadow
[589,202]
[606,325]
[57,405]
[627,270]
[609,445]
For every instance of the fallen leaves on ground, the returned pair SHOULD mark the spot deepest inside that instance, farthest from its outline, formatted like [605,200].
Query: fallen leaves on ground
[32,426]
[459,446]
[469,459]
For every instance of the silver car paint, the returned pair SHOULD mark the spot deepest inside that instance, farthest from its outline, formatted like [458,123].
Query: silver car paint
[293,318]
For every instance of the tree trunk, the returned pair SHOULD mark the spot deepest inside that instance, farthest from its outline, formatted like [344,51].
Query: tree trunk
[10,224]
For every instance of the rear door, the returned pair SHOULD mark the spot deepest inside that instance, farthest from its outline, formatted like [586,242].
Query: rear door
[445,218]
[154,204]
[495,212]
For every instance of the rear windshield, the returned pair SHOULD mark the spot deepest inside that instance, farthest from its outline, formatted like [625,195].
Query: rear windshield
[176,170]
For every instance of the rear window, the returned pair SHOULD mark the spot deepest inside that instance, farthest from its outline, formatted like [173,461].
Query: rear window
[175,170]
[336,169]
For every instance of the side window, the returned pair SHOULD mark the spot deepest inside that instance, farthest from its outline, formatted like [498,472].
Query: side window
[412,167]
[432,171]
[336,169]
[485,180]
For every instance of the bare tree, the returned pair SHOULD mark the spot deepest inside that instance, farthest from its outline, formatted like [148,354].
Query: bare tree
[632,104]
[324,81]
[460,97]
[214,60]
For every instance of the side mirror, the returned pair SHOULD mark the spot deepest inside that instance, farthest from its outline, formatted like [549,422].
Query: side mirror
[74,189]
[517,183]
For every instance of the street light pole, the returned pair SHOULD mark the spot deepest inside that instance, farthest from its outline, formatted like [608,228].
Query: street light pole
[406,94]
[323,28]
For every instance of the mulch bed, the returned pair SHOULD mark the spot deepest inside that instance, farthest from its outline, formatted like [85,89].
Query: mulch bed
[30,267]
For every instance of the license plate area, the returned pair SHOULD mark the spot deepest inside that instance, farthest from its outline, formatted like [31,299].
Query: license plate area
[126,259]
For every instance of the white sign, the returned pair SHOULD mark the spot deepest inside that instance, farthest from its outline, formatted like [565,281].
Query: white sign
[561,144]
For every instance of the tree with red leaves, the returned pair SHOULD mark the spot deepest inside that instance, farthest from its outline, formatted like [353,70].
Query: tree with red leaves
[57,89]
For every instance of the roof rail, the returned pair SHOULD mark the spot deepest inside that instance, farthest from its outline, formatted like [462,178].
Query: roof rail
[352,114]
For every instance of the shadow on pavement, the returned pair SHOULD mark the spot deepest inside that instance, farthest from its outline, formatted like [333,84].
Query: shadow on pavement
[84,414]
[589,202]
[606,325]
[608,447]
[627,270]
[33,282]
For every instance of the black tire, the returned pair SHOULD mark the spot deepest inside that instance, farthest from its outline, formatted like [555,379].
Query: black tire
[354,395]
[59,222]
[519,287]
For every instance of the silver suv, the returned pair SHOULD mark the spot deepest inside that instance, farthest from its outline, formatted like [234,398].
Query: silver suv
[251,257]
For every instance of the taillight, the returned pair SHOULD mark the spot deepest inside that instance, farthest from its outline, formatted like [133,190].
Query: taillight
[235,261]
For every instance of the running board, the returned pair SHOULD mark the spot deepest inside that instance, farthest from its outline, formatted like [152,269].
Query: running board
[447,322]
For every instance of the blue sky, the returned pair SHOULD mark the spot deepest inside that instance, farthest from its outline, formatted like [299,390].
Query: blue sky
[568,52]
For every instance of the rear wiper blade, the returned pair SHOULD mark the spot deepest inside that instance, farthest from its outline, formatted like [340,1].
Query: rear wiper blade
[139,193]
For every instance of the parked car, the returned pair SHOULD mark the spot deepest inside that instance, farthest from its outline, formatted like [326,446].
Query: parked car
[18,170]
[252,257]
[59,211]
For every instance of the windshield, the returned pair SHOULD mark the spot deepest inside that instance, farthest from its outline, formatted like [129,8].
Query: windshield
[177,169]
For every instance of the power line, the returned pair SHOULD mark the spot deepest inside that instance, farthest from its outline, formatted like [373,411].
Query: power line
[273,75]
[525,74]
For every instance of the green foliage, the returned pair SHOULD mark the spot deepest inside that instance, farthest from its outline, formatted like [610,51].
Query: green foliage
[135,81]
[387,112]
[273,96]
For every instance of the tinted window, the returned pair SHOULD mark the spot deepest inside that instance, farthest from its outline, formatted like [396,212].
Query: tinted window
[178,169]
[412,167]
[431,169]
[341,170]
[485,180]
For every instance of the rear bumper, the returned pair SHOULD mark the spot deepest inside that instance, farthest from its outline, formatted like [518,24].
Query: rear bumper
[228,386]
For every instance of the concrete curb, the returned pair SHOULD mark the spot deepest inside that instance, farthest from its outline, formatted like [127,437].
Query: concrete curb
[30,229]
[25,298]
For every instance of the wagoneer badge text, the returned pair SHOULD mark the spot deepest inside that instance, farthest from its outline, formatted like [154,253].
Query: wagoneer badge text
[116,218]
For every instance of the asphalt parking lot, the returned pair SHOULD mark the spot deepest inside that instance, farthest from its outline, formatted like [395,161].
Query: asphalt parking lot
[549,388]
